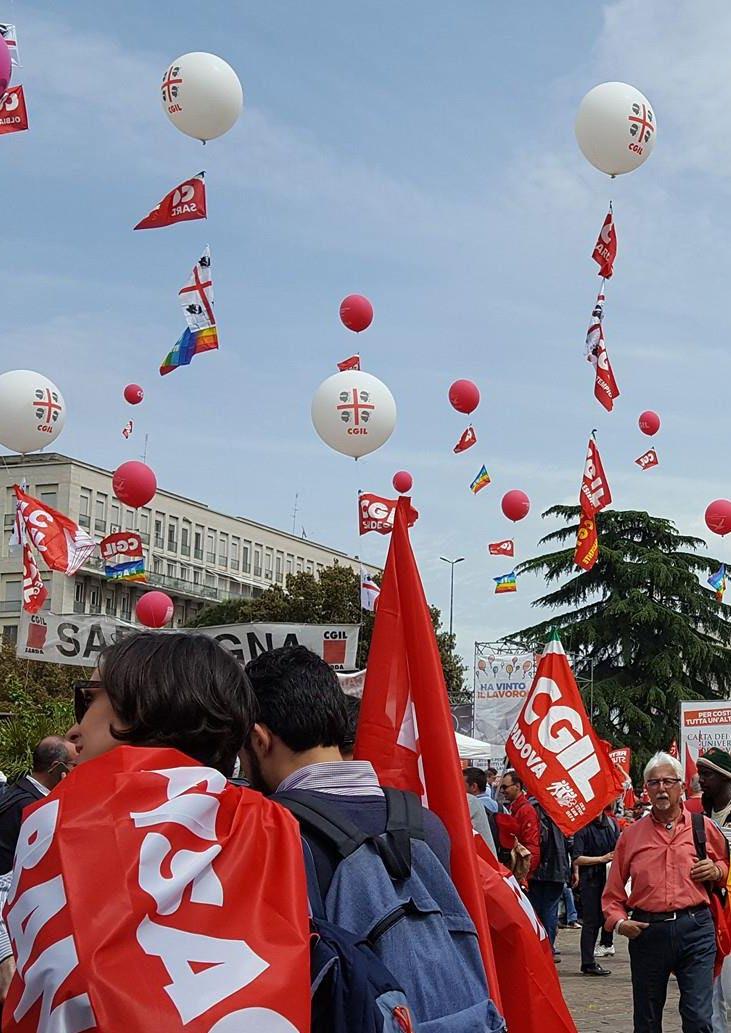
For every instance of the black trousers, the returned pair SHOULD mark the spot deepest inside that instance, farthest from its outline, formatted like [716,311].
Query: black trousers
[593,919]
[686,947]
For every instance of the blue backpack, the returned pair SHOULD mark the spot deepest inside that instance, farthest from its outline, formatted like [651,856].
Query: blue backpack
[401,909]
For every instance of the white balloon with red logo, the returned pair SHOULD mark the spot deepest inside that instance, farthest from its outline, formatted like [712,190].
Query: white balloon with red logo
[616,128]
[32,411]
[201,95]
[353,412]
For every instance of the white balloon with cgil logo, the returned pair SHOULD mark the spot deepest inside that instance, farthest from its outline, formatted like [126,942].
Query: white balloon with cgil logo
[32,411]
[201,95]
[354,413]
[616,128]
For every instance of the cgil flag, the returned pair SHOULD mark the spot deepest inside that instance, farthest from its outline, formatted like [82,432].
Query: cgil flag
[123,556]
[717,581]
[605,249]
[405,727]
[190,344]
[369,591]
[376,513]
[352,363]
[648,459]
[594,495]
[13,111]
[183,203]
[467,440]
[586,552]
[504,548]
[481,480]
[506,583]
[35,592]
[556,752]
[64,545]
[605,386]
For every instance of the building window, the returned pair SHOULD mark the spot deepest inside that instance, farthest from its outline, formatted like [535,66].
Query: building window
[198,543]
[79,591]
[159,540]
[246,558]
[116,516]
[185,539]
[257,561]
[172,534]
[268,561]
[13,592]
[235,543]
[48,494]
[129,519]
[95,603]
[172,569]
[290,563]
[278,566]
[184,573]
[85,502]
[210,580]
[157,565]
[223,550]
[145,521]
[196,576]
[110,606]
[100,512]
[310,567]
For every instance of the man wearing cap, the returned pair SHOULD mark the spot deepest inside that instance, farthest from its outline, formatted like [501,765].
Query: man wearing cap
[666,915]
[714,775]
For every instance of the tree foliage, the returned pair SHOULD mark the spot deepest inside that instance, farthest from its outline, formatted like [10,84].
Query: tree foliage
[640,622]
[333,597]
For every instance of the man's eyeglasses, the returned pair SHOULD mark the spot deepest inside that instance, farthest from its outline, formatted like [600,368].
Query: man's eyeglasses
[666,783]
[83,695]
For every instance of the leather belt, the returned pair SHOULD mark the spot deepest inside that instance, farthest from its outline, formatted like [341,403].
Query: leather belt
[638,915]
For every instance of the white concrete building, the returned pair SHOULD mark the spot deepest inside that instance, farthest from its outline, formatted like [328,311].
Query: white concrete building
[194,554]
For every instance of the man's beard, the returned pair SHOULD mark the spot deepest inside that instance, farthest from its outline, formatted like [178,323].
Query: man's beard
[256,778]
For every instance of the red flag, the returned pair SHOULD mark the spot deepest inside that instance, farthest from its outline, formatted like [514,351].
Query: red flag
[555,750]
[648,459]
[468,439]
[521,946]
[13,111]
[691,768]
[352,363]
[673,749]
[35,592]
[594,493]
[605,386]
[622,758]
[605,250]
[63,545]
[587,544]
[153,844]
[377,514]
[185,202]
[504,548]
[405,727]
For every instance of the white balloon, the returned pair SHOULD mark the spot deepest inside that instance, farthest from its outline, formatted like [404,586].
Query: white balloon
[32,410]
[201,95]
[353,412]
[616,128]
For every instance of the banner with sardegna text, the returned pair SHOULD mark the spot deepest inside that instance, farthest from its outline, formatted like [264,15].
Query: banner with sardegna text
[199,923]
[703,724]
[555,750]
[77,639]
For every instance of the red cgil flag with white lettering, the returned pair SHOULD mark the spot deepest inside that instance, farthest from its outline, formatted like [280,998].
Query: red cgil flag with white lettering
[605,249]
[594,493]
[171,938]
[605,386]
[13,111]
[184,203]
[63,545]
[555,750]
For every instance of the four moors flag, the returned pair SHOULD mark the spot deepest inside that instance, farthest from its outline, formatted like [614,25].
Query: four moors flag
[558,755]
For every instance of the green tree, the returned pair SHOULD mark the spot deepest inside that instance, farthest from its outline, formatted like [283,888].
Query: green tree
[640,625]
[333,597]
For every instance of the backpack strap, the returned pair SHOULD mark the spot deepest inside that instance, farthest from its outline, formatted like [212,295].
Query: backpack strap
[404,822]
[699,835]
[338,832]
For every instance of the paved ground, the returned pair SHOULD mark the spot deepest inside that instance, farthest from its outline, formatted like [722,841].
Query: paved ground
[604,1005]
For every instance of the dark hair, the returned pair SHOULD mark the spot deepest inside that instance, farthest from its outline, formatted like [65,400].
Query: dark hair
[299,698]
[352,707]
[492,771]
[515,777]
[48,753]
[181,690]
[476,775]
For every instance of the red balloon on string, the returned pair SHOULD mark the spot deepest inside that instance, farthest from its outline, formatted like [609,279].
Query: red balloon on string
[718,516]
[515,504]
[134,484]
[464,396]
[356,312]
[133,394]
[649,422]
[402,481]
[154,609]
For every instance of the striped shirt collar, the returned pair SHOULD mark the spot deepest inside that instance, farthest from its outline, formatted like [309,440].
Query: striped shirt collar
[339,778]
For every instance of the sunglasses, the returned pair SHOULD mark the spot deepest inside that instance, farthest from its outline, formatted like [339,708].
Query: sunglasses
[83,696]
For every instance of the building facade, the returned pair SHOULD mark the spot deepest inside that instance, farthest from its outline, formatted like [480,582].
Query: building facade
[194,554]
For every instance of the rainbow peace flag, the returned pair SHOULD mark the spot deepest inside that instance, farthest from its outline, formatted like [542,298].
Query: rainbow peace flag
[481,481]
[506,583]
[192,343]
[718,581]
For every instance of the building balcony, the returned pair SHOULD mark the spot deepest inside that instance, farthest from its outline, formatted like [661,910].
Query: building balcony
[10,606]
[186,588]
[185,550]
[100,525]
[159,542]
[198,554]
[78,607]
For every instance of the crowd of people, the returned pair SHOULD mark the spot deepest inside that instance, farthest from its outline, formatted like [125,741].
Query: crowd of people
[376,863]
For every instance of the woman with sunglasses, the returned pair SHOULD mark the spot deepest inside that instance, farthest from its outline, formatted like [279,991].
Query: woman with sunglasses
[148,892]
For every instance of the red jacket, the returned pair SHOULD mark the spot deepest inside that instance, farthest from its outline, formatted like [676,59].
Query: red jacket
[529,829]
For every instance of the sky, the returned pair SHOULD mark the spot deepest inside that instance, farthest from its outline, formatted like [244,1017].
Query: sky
[423,155]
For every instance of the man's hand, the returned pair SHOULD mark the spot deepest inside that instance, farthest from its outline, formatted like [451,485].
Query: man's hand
[705,871]
[606,858]
[630,928]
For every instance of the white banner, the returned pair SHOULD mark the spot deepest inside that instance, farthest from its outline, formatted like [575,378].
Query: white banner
[501,686]
[77,639]
[702,725]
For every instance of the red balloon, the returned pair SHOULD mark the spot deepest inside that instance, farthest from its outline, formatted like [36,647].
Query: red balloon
[402,481]
[516,504]
[718,516]
[134,484]
[154,609]
[464,396]
[649,422]
[356,312]
[133,394]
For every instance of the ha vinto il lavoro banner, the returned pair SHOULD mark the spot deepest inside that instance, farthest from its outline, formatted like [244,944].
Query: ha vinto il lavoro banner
[78,639]
[501,685]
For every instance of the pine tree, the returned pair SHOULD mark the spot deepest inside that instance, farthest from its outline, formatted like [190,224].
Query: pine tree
[644,631]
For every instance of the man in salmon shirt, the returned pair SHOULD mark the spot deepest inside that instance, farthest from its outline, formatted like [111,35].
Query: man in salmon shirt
[666,916]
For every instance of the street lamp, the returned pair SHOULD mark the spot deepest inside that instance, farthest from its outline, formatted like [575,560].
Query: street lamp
[451,588]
